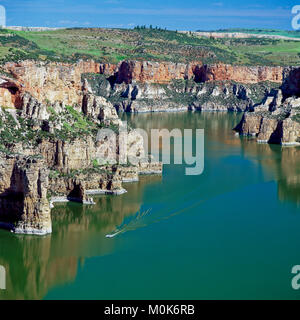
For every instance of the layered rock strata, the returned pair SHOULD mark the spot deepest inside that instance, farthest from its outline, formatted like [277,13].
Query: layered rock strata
[50,150]
[275,120]
[44,81]
[23,198]
[178,95]
[164,72]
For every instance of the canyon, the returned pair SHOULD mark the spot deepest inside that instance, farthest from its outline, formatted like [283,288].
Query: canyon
[51,113]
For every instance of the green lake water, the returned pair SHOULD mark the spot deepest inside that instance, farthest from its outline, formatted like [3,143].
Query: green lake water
[232,232]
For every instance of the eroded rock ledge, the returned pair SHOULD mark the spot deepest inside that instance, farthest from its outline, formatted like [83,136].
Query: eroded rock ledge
[134,85]
[277,118]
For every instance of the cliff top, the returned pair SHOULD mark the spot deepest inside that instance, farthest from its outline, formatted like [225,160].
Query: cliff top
[244,32]
[114,45]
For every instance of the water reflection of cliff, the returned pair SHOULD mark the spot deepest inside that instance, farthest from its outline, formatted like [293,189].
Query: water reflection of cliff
[279,163]
[284,161]
[34,264]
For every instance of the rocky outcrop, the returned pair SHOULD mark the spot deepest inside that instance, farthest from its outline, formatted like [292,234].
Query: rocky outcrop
[99,108]
[45,80]
[52,118]
[23,195]
[178,95]
[58,170]
[142,80]
[277,118]
[51,82]
[273,121]
[291,82]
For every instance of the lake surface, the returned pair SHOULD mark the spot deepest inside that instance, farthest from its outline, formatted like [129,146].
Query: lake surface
[231,233]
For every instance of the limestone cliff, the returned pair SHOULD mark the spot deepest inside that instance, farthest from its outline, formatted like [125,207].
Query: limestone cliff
[49,148]
[275,120]
[178,95]
[50,82]
[23,195]
[143,86]
[141,81]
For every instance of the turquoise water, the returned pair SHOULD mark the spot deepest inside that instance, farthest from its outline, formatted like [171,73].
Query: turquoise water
[231,233]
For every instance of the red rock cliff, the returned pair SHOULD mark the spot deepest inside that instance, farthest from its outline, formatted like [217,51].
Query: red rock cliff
[155,72]
[50,82]
[242,74]
[163,72]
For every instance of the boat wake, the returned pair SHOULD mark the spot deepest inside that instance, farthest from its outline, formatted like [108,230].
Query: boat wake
[131,225]
[136,222]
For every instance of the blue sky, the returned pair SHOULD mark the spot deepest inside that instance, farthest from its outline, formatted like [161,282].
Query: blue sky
[172,14]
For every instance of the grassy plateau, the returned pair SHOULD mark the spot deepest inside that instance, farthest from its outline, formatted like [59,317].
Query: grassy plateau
[114,45]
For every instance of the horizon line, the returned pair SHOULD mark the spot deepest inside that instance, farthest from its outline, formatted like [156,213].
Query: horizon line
[154,28]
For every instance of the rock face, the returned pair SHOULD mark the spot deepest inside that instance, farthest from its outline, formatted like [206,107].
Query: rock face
[23,198]
[178,95]
[136,86]
[44,81]
[50,150]
[291,82]
[273,121]
[50,82]
[241,74]
[158,72]
[277,118]
[153,72]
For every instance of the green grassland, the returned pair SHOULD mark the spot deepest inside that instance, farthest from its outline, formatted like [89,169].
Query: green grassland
[114,45]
